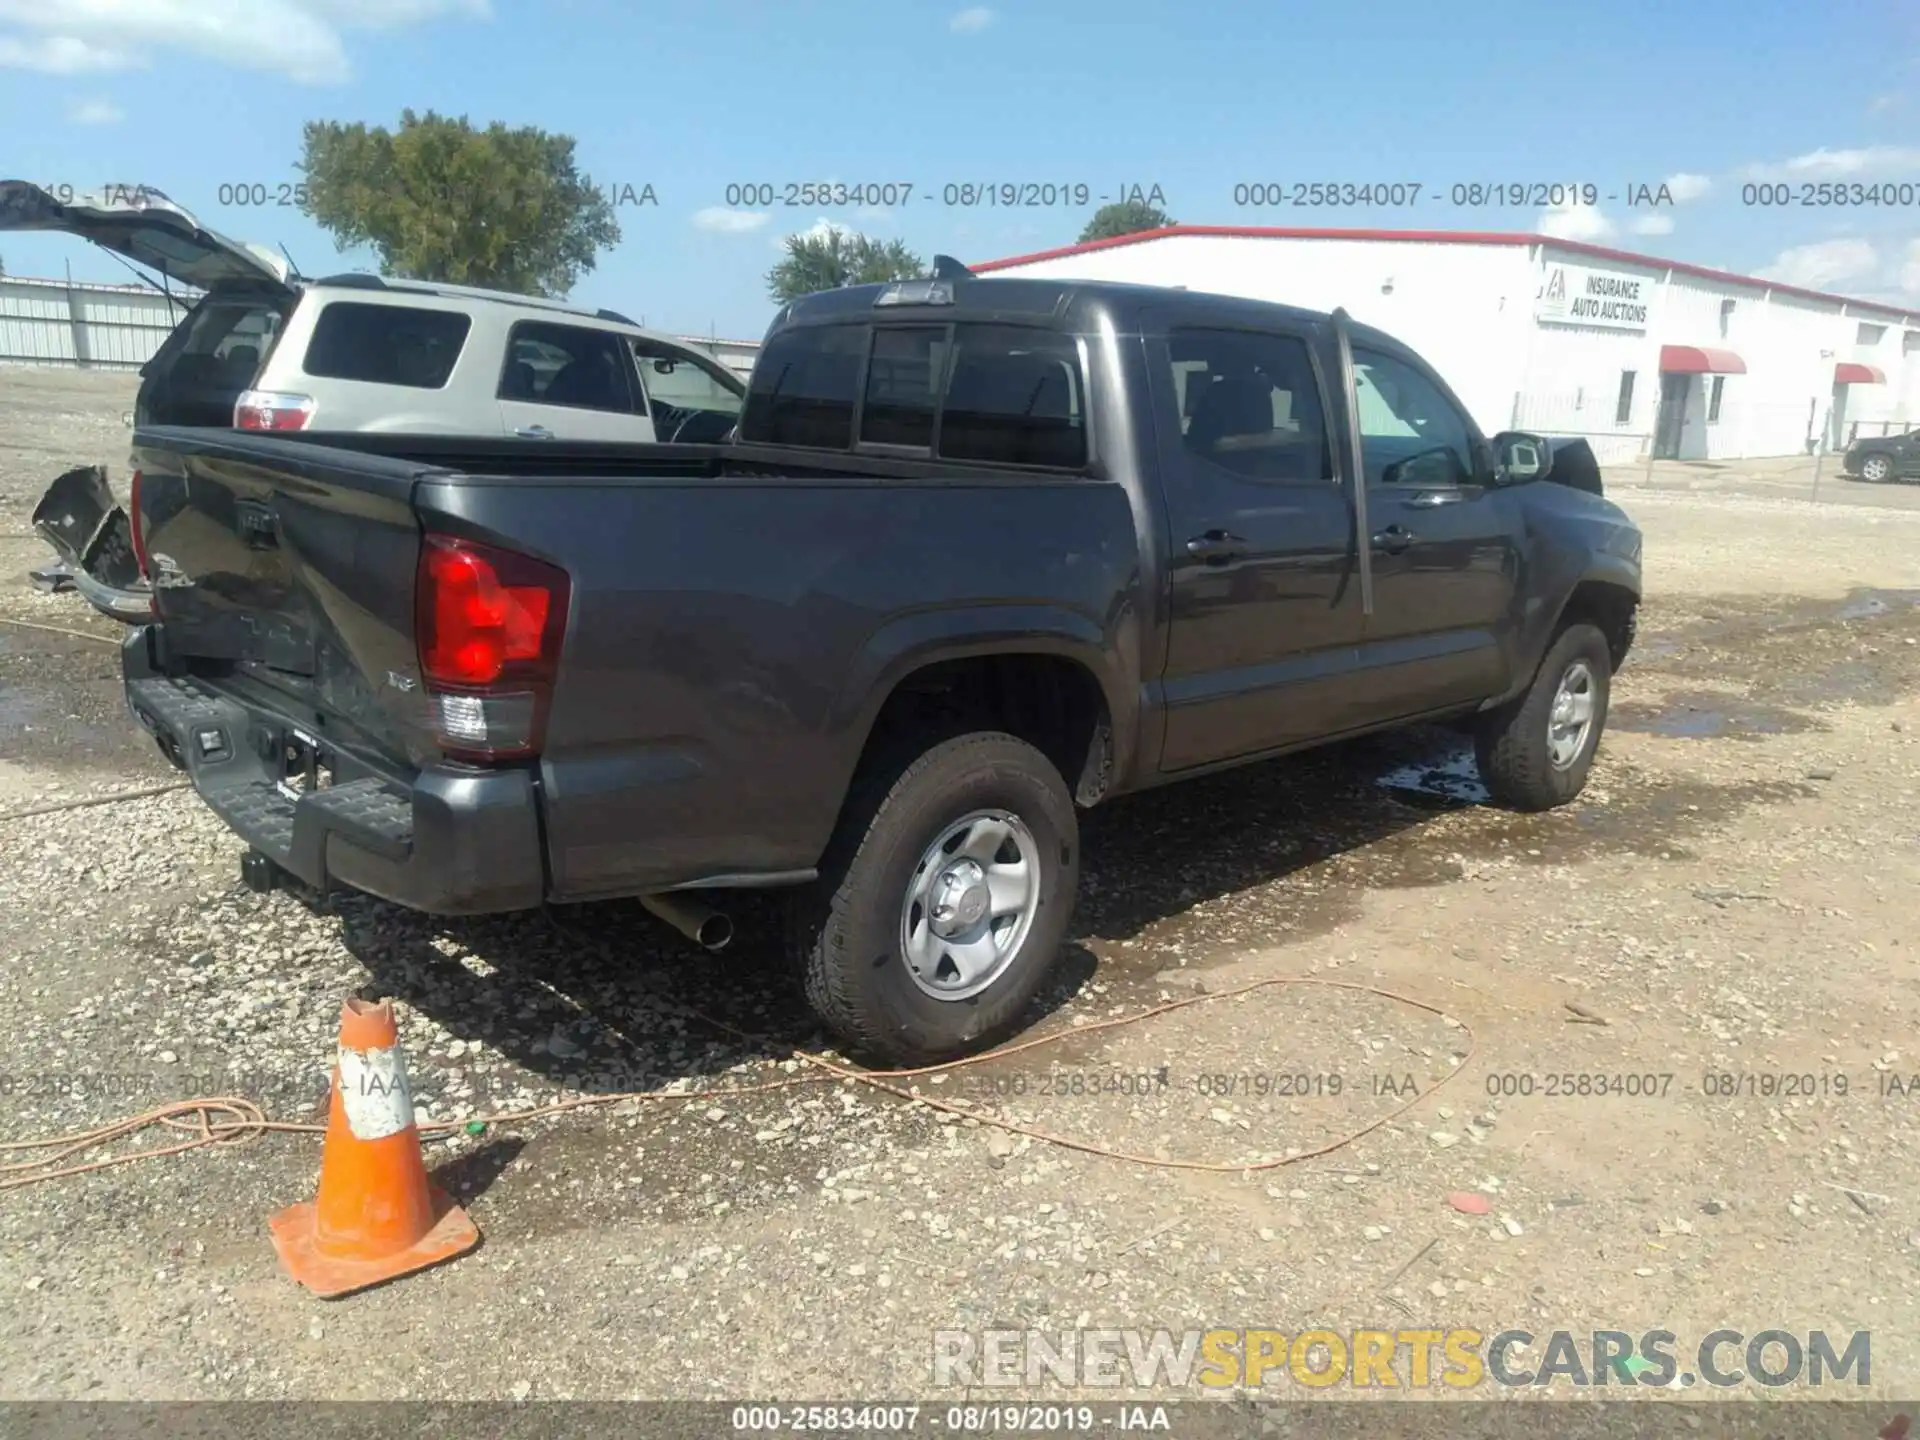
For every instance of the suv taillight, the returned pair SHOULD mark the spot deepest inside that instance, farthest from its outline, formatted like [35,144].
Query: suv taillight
[489,623]
[272,410]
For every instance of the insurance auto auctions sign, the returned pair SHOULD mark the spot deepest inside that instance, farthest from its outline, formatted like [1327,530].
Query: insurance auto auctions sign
[1606,299]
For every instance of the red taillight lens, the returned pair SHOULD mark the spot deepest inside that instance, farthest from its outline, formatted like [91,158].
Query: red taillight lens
[135,527]
[478,624]
[490,624]
[272,410]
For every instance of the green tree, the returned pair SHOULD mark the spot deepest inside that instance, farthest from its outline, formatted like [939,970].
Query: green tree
[828,259]
[1125,217]
[438,199]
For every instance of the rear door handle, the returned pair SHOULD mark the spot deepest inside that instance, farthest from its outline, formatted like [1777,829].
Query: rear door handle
[1393,539]
[534,432]
[1216,547]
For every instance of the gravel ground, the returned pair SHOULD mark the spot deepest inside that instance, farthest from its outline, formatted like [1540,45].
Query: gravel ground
[1733,895]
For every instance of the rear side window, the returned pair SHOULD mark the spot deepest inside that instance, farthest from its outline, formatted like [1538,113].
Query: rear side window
[990,394]
[803,388]
[568,365]
[1249,403]
[1014,399]
[386,344]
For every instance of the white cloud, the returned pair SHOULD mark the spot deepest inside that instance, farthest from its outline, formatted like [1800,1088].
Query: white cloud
[724,221]
[303,40]
[1823,264]
[1576,222]
[1825,164]
[1686,186]
[1880,104]
[63,55]
[96,112]
[1655,224]
[971,21]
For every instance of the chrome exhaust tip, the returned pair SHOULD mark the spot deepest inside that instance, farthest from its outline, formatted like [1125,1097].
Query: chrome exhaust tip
[709,929]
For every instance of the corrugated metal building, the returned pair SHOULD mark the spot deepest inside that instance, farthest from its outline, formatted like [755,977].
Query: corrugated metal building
[118,327]
[1642,355]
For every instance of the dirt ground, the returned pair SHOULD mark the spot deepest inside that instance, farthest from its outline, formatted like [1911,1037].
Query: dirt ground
[1733,896]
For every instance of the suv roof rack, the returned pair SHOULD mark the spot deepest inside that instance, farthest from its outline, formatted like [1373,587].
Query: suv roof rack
[364,280]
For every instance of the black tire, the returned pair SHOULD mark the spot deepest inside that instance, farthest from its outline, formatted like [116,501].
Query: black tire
[1876,469]
[1512,743]
[846,927]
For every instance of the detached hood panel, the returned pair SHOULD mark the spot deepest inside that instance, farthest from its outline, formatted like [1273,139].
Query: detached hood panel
[142,224]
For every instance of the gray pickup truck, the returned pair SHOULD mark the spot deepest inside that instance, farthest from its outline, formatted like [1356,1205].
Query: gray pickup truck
[982,551]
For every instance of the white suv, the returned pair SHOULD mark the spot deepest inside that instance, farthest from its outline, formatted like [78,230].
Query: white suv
[265,349]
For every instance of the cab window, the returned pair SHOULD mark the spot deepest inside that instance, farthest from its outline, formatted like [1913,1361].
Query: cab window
[1410,434]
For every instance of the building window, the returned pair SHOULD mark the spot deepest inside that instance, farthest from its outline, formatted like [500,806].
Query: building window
[1869,334]
[1623,409]
[1726,315]
[1713,398]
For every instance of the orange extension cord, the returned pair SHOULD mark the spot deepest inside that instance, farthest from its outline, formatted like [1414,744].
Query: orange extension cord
[229,1120]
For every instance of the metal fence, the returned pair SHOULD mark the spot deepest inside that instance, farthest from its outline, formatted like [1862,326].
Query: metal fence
[1870,429]
[94,327]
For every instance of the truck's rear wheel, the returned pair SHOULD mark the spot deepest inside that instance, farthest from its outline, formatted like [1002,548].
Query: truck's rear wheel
[942,904]
[1535,751]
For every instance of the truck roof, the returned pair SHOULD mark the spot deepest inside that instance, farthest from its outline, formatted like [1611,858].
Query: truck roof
[1063,304]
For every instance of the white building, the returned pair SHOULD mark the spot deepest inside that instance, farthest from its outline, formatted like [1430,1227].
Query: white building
[1640,355]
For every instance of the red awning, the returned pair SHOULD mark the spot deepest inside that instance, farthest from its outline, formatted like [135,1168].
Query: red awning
[1699,360]
[1847,372]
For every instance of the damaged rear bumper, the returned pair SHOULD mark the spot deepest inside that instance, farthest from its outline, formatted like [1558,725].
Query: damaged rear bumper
[93,537]
[443,840]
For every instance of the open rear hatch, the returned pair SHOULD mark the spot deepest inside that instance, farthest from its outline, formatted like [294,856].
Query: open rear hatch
[194,378]
[143,225]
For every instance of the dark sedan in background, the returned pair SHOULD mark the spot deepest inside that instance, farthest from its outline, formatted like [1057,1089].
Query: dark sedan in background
[1879,458]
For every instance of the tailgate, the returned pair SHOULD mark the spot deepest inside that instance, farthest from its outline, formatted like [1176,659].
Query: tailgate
[287,570]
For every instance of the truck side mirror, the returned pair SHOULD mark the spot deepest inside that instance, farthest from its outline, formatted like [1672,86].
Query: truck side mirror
[1519,457]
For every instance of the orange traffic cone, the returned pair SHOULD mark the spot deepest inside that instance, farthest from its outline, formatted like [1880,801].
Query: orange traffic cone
[376,1217]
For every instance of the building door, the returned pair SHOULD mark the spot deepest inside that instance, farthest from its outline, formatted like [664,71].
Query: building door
[1671,417]
[1837,419]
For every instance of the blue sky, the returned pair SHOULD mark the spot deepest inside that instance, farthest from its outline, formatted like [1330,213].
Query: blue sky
[191,95]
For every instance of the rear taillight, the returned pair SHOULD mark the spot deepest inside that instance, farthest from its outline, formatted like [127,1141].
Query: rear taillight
[135,528]
[272,410]
[489,623]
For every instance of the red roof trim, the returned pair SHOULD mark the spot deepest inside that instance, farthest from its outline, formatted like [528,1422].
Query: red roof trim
[1449,237]
[1699,360]
[1849,372]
